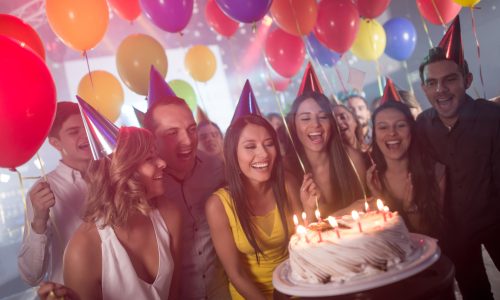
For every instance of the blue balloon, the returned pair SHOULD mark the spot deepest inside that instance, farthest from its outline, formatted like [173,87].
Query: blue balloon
[325,56]
[401,38]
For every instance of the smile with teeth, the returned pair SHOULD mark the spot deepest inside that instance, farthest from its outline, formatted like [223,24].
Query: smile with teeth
[393,144]
[158,177]
[83,146]
[260,165]
[315,136]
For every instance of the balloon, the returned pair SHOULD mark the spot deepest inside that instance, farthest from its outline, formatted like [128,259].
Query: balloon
[134,57]
[280,84]
[128,10]
[219,22]
[81,24]
[169,15]
[27,103]
[284,52]
[200,63]
[371,9]
[447,10]
[324,55]
[337,24]
[246,11]
[18,30]
[105,95]
[401,38]
[183,90]
[296,17]
[370,41]
[467,3]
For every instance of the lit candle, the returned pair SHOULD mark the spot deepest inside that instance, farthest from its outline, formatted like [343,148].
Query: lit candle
[302,231]
[355,217]
[386,210]
[334,224]
[367,208]
[295,221]
[318,217]
[380,206]
[304,218]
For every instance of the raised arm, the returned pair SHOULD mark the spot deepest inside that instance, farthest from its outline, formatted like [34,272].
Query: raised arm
[83,263]
[225,247]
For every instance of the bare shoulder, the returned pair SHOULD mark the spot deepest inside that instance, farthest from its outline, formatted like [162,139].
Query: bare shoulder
[214,206]
[84,245]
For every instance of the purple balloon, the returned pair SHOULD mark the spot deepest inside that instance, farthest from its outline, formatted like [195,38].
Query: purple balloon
[169,15]
[246,11]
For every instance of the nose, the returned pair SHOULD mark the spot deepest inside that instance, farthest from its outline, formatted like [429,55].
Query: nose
[441,86]
[161,164]
[185,138]
[392,130]
[262,151]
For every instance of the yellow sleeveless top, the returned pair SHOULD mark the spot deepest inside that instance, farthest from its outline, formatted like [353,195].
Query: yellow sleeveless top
[270,235]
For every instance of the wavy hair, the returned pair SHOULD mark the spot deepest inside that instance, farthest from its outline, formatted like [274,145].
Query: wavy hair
[345,184]
[422,168]
[115,190]
[358,131]
[236,185]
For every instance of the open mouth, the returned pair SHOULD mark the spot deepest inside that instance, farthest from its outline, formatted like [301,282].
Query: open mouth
[185,154]
[393,144]
[316,137]
[260,165]
[444,103]
[158,177]
[83,146]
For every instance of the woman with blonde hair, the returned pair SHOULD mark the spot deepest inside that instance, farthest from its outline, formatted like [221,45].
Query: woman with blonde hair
[128,246]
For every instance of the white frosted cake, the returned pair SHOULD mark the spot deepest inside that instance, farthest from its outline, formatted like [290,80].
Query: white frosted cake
[373,248]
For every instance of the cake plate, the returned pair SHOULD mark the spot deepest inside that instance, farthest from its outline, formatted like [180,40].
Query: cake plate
[426,253]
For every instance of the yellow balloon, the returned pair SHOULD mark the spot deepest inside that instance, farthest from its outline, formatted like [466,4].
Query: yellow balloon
[134,57]
[105,94]
[370,41]
[81,24]
[200,62]
[467,3]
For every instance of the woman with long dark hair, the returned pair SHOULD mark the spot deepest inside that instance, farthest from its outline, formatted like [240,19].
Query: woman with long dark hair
[250,219]
[403,175]
[317,141]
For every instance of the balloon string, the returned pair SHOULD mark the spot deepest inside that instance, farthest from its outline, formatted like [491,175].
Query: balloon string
[474,30]
[405,66]
[379,78]
[438,14]
[280,108]
[424,24]
[23,197]
[235,63]
[88,69]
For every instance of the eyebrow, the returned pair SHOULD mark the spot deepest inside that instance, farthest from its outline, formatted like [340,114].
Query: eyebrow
[72,128]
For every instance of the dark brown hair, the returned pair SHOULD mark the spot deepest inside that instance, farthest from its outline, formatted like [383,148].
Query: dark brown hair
[64,110]
[149,122]
[236,184]
[438,54]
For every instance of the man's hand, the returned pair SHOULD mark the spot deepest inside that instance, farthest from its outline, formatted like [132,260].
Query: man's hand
[42,199]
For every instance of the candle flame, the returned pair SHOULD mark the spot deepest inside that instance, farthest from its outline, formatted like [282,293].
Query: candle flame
[301,230]
[380,205]
[295,220]
[332,221]
[386,208]
[355,215]
[366,206]
[317,214]
[304,216]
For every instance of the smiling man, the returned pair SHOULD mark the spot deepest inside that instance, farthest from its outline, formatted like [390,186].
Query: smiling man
[191,176]
[463,134]
[62,195]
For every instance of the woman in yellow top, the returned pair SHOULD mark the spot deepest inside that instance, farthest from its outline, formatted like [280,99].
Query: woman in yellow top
[250,220]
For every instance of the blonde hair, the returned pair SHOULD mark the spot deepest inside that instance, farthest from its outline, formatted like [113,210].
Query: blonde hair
[115,189]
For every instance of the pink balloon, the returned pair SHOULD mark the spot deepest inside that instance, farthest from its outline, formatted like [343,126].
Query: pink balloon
[218,20]
[446,9]
[284,52]
[337,24]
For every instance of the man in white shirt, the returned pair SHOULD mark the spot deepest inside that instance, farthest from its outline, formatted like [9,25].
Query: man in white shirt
[190,178]
[54,207]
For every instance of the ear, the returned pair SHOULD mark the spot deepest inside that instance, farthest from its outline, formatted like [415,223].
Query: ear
[56,143]
[468,80]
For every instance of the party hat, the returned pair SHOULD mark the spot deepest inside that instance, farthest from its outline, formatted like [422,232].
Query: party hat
[451,43]
[201,115]
[101,132]
[247,104]
[310,82]
[158,88]
[390,93]
[140,116]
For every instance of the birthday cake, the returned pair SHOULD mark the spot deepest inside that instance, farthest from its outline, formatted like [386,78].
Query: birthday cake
[350,247]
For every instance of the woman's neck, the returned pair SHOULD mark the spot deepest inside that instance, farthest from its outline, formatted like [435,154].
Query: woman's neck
[397,166]
[317,159]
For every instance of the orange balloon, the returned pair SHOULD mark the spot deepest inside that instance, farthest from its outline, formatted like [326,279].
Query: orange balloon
[134,58]
[200,62]
[105,94]
[80,24]
[296,17]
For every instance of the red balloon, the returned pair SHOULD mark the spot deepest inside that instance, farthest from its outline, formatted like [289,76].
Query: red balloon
[371,9]
[446,9]
[280,85]
[27,103]
[126,9]
[337,24]
[218,20]
[285,52]
[17,29]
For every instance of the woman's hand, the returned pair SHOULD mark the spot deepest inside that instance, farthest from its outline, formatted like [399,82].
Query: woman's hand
[373,181]
[308,193]
[52,291]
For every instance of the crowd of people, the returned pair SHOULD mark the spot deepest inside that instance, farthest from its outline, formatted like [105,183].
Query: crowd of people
[181,211]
